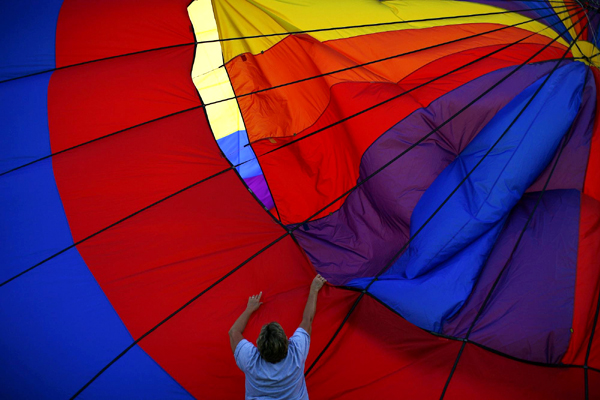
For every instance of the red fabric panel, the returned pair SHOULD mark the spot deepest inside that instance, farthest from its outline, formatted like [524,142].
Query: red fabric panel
[292,109]
[194,347]
[153,263]
[594,384]
[587,285]
[97,99]
[379,355]
[110,179]
[309,174]
[592,178]
[89,30]
[484,375]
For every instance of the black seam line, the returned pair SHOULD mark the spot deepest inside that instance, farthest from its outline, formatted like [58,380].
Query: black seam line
[273,34]
[409,91]
[406,245]
[420,140]
[578,10]
[234,167]
[337,331]
[480,161]
[116,223]
[401,55]
[256,158]
[564,6]
[459,339]
[176,312]
[497,280]
[343,195]
[256,254]
[586,384]
[225,157]
[277,87]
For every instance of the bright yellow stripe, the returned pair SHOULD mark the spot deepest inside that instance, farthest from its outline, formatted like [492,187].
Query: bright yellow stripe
[557,6]
[210,78]
[242,18]
[588,51]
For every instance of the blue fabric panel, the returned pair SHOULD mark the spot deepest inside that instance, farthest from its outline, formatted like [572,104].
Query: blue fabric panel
[126,380]
[59,330]
[536,292]
[58,327]
[33,224]
[27,36]
[235,149]
[24,118]
[433,278]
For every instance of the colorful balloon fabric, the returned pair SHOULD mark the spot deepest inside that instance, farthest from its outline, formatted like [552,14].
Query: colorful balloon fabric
[437,161]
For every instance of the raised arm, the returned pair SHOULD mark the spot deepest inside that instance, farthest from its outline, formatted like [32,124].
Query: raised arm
[237,330]
[311,303]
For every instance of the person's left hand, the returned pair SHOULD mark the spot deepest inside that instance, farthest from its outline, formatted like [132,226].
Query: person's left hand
[254,302]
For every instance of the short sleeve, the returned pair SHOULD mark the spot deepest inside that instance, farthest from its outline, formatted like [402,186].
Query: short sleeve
[301,340]
[243,354]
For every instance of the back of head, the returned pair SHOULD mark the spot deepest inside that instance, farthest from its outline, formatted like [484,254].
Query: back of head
[272,343]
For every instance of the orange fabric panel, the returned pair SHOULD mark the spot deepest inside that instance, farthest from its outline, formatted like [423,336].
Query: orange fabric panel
[329,161]
[291,109]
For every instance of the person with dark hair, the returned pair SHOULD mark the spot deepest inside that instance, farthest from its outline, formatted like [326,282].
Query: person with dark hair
[274,369]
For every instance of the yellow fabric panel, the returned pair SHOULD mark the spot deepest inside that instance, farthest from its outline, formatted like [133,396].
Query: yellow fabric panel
[209,76]
[558,5]
[588,51]
[242,18]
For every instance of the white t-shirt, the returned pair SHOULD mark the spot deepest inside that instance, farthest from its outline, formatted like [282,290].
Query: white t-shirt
[284,380]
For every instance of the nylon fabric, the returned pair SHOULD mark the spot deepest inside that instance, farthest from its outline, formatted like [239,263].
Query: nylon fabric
[476,213]
[249,18]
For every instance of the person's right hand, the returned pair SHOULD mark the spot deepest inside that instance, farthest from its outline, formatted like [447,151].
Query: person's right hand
[317,283]
[254,302]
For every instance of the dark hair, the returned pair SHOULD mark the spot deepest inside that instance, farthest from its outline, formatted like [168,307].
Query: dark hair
[272,343]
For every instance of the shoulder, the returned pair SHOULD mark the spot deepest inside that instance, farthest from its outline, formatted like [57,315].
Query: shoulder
[301,333]
[244,354]
[301,340]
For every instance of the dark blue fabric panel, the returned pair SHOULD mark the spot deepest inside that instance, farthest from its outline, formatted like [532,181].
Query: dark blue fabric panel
[27,36]
[59,330]
[544,264]
[235,149]
[433,278]
[33,224]
[135,376]
[24,118]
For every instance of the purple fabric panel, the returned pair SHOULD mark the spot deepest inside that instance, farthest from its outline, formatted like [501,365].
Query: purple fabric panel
[571,167]
[258,185]
[373,223]
[530,312]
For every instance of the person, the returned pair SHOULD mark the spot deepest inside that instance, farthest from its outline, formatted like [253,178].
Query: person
[274,368]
